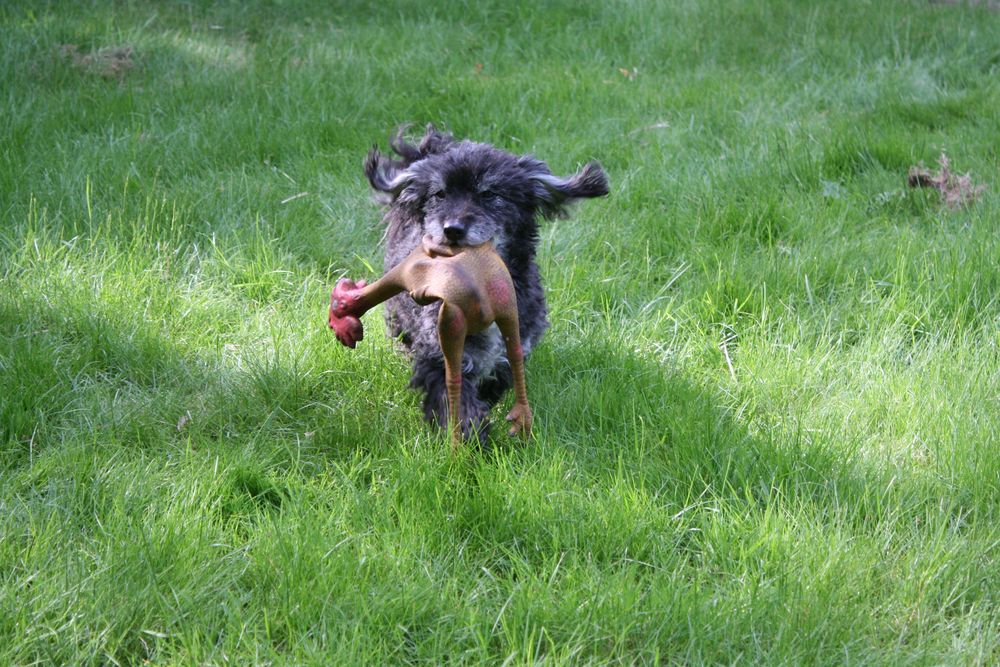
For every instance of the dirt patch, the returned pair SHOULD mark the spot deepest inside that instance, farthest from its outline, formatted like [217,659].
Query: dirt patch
[110,62]
[956,191]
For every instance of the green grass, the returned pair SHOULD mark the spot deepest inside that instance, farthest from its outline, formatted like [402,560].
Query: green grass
[767,412]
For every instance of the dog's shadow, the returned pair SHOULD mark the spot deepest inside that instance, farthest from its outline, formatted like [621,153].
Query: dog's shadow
[616,411]
[608,409]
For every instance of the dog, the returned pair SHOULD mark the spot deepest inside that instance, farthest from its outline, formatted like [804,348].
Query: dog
[463,193]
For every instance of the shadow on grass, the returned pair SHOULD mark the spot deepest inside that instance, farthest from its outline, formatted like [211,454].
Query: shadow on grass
[639,479]
[77,367]
[622,428]
[643,491]
[609,413]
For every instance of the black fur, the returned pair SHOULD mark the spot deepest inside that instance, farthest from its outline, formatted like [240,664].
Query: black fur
[467,193]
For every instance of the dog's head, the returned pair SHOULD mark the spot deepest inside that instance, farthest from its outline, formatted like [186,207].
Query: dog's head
[466,193]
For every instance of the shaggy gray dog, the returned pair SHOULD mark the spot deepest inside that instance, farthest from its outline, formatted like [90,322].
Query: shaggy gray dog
[464,193]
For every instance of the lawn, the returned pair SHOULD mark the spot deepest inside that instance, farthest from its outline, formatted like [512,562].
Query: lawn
[767,412]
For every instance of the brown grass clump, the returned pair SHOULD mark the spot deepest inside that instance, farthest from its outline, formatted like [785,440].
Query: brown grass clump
[955,190]
[110,62]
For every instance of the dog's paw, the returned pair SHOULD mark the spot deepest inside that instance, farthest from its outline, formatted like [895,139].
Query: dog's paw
[520,419]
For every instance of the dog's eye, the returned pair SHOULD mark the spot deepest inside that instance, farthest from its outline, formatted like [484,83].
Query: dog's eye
[490,196]
[438,195]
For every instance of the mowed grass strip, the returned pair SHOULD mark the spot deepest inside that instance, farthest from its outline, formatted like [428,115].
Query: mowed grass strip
[768,409]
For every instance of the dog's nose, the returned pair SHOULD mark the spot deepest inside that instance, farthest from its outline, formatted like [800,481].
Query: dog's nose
[454,231]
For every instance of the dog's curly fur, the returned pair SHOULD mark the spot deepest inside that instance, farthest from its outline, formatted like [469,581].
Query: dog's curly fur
[466,193]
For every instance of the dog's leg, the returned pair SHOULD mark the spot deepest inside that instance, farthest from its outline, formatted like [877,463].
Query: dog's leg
[493,387]
[429,379]
[451,333]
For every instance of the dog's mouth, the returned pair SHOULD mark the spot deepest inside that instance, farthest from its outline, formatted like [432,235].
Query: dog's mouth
[444,247]
[464,242]
[461,242]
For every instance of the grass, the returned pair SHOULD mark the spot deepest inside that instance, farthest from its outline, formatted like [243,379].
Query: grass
[767,412]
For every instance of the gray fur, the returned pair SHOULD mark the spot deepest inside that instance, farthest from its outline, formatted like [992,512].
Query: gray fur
[467,193]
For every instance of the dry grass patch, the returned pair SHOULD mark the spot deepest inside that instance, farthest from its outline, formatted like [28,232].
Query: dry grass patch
[109,62]
[956,190]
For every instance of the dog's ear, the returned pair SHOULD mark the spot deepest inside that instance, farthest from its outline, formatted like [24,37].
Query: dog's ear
[403,148]
[433,142]
[385,176]
[553,194]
